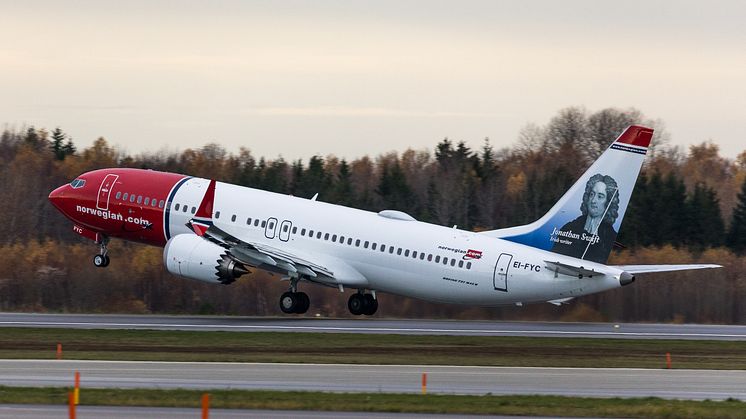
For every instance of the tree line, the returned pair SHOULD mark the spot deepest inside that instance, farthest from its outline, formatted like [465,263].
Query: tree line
[688,205]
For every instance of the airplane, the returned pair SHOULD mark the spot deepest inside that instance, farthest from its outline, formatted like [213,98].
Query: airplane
[217,232]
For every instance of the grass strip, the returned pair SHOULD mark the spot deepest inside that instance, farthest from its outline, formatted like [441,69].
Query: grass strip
[156,345]
[553,406]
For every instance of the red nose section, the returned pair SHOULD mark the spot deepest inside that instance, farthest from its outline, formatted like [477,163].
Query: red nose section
[56,196]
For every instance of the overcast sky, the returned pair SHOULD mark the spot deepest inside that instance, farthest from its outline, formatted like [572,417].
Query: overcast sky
[298,78]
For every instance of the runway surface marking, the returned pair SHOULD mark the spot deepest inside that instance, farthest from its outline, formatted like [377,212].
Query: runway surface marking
[372,329]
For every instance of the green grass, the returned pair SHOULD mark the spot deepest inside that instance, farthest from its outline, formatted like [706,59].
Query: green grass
[40,343]
[554,406]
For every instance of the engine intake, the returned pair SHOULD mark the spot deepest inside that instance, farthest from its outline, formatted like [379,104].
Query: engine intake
[193,257]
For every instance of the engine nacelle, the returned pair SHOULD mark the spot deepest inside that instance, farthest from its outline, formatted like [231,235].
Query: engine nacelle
[193,257]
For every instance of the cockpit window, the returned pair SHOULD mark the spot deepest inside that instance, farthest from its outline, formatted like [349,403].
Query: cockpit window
[77,183]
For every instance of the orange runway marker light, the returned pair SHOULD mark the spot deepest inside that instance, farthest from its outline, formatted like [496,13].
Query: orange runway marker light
[206,406]
[59,351]
[668,360]
[424,383]
[71,404]
[77,388]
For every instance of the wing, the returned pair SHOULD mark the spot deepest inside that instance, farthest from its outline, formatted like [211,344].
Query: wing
[266,255]
[644,269]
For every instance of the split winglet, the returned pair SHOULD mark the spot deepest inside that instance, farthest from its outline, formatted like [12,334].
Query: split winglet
[203,218]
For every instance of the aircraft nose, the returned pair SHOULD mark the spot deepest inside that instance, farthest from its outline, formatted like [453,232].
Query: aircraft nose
[55,197]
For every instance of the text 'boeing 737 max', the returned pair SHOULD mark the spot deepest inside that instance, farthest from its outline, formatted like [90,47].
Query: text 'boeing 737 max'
[215,232]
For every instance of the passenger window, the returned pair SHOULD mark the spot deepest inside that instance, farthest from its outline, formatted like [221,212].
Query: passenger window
[119,195]
[186,208]
[153,202]
[233,218]
[139,199]
[318,235]
[453,262]
[132,198]
[264,224]
[430,257]
[248,221]
[334,238]
[445,261]
[147,201]
[176,208]
[461,264]
[303,232]
[295,230]
[383,248]
[310,233]
[349,241]
[326,236]
[161,203]
[126,195]
[373,246]
[437,259]
[256,223]
[194,209]
[414,254]
[398,251]
[342,239]
[422,256]
[357,243]
[391,249]
[217,214]
[406,253]
[365,245]
[468,265]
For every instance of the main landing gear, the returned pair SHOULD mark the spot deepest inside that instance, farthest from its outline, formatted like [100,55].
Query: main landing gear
[360,303]
[101,260]
[294,302]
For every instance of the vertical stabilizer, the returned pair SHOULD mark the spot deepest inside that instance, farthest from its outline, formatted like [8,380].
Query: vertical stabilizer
[584,223]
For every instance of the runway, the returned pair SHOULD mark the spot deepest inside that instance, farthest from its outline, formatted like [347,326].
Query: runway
[599,382]
[373,326]
[129,412]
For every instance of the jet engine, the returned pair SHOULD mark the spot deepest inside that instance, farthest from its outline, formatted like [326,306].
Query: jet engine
[193,257]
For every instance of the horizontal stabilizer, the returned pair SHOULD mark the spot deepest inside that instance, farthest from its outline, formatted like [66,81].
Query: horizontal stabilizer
[645,269]
[571,270]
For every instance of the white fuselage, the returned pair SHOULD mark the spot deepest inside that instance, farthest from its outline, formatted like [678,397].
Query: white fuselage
[479,270]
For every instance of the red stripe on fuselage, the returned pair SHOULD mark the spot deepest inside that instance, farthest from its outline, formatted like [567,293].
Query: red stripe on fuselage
[130,219]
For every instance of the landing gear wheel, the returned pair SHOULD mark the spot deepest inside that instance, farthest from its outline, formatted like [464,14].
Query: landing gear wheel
[101,261]
[303,302]
[371,305]
[356,304]
[289,302]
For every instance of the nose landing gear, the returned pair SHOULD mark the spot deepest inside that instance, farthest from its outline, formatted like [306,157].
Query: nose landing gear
[101,260]
[360,303]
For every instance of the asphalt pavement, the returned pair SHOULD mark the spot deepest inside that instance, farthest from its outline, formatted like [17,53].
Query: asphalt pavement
[589,382]
[375,326]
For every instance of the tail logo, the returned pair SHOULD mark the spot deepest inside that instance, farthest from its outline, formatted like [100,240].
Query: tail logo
[591,234]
